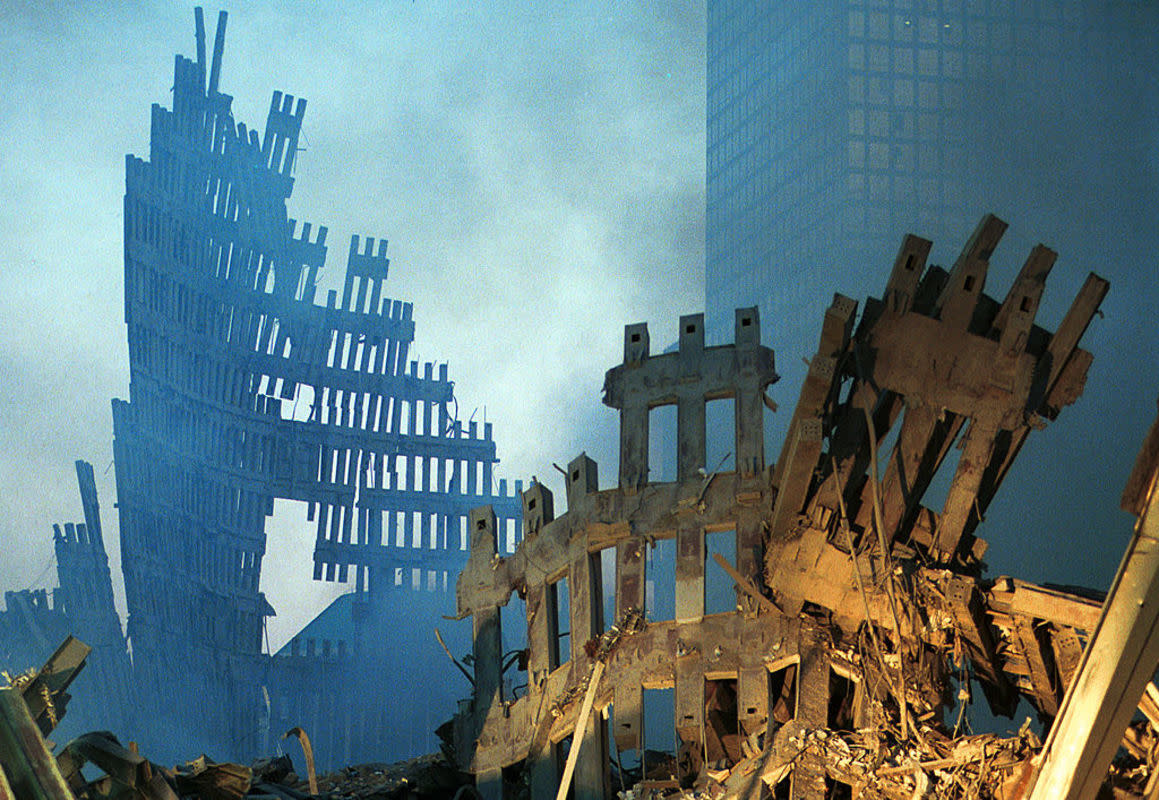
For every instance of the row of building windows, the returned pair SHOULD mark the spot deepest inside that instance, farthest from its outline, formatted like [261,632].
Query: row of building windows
[904,93]
[905,158]
[902,190]
[905,125]
[948,22]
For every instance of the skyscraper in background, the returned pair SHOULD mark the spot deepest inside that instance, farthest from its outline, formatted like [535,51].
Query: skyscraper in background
[835,128]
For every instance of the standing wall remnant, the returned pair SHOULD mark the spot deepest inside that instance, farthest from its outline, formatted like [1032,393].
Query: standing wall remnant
[855,603]
[37,620]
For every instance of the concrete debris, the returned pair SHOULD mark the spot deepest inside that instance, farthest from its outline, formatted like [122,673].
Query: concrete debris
[33,703]
[430,776]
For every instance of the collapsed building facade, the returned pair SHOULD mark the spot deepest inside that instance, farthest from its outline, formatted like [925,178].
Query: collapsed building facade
[244,390]
[862,617]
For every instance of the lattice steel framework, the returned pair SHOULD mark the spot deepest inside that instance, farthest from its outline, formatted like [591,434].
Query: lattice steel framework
[243,390]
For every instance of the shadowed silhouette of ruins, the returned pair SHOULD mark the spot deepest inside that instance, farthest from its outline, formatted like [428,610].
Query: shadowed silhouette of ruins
[243,390]
[35,620]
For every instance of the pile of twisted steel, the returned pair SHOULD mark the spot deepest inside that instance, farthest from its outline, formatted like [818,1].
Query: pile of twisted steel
[862,617]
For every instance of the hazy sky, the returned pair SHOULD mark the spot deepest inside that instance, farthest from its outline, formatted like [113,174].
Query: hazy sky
[537,168]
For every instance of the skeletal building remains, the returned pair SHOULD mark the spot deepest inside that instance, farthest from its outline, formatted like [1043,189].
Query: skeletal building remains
[35,621]
[862,616]
[243,390]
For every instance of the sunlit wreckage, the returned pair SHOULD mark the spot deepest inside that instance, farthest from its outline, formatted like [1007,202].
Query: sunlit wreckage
[861,618]
[858,621]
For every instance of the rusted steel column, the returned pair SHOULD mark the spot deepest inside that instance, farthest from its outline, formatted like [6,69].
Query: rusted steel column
[812,712]
[750,412]
[629,575]
[628,701]
[690,435]
[486,633]
[634,446]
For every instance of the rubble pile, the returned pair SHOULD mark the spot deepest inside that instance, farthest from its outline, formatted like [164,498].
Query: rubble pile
[863,624]
[979,766]
[422,778]
[859,624]
[33,703]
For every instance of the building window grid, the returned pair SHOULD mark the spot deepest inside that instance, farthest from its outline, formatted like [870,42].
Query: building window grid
[881,150]
[908,126]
